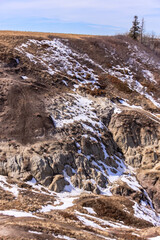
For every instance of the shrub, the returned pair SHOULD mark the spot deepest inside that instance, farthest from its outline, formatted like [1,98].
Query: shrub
[107,79]
[121,86]
[88,76]
[150,86]
[96,92]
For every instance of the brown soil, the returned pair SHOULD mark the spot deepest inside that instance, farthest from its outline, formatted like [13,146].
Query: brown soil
[24,117]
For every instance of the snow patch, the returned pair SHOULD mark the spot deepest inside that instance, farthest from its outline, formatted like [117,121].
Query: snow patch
[149,76]
[123,102]
[80,110]
[131,182]
[34,232]
[90,210]
[133,84]
[16,213]
[55,56]
[83,217]
[65,82]
[24,77]
[66,203]
[154,238]
[141,211]
[90,223]
[8,187]
[63,237]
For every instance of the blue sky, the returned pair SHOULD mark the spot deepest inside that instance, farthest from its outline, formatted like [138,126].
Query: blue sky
[103,17]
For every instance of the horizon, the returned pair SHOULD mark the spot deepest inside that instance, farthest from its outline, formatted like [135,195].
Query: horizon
[90,17]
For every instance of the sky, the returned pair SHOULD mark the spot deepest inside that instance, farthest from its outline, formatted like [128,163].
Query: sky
[99,17]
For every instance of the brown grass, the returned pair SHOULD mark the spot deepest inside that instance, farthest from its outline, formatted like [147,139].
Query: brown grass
[150,86]
[111,208]
[43,34]
[121,86]
[96,92]
[68,215]
[106,80]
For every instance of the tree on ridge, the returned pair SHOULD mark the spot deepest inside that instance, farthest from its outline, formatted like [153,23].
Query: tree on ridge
[135,29]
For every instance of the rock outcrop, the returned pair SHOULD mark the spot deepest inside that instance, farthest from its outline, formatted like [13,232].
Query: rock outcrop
[138,135]
[67,119]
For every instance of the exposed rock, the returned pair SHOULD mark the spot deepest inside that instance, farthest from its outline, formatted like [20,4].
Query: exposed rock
[150,180]
[88,186]
[91,148]
[41,170]
[58,183]
[76,181]
[138,137]
[96,190]
[101,180]
[73,111]
[72,115]
[60,159]
[69,171]
[135,134]
[122,189]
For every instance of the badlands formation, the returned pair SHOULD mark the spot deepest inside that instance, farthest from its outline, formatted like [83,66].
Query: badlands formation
[79,138]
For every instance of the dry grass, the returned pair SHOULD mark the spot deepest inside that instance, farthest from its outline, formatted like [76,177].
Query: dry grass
[107,84]
[26,201]
[106,80]
[96,92]
[43,34]
[68,215]
[151,87]
[66,222]
[111,208]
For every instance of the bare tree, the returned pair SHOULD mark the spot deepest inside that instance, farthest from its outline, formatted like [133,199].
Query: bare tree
[142,30]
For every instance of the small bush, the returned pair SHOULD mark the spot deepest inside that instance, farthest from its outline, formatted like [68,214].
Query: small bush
[68,215]
[150,86]
[43,46]
[102,81]
[96,92]
[88,76]
[107,79]
[121,86]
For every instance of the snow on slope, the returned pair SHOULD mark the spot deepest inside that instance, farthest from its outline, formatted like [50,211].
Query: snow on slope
[141,57]
[140,211]
[133,83]
[154,238]
[65,200]
[8,187]
[58,57]
[16,213]
[84,218]
[63,237]
[55,56]
[79,108]
[82,110]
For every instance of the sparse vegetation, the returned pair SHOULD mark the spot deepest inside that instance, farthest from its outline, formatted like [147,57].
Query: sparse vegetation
[110,208]
[150,40]
[105,80]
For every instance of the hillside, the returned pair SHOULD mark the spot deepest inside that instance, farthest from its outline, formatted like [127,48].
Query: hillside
[80,137]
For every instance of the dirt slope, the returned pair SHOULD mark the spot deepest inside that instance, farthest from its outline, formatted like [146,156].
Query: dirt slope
[80,137]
